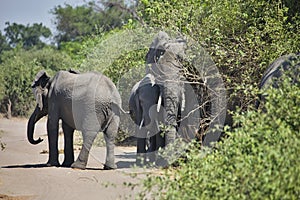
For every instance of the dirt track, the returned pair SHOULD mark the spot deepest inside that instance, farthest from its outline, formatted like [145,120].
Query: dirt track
[23,177]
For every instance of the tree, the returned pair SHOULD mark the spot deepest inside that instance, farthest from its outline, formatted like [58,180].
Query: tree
[242,37]
[73,23]
[3,43]
[28,36]
[18,69]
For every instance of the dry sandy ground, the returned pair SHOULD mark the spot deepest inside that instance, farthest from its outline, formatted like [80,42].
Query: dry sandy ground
[23,177]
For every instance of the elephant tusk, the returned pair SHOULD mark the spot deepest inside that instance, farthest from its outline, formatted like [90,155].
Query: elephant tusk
[140,127]
[183,102]
[159,103]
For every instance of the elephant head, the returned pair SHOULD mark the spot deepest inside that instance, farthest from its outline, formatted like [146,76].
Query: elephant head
[40,87]
[164,62]
[157,49]
[164,57]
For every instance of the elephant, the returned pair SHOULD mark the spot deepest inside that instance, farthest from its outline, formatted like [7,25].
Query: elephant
[145,109]
[163,61]
[146,105]
[287,64]
[88,102]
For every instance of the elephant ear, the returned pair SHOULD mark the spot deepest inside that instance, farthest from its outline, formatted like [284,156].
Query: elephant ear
[39,87]
[157,48]
[41,79]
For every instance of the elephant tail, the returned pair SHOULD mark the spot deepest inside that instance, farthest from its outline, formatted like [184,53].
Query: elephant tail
[118,108]
[123,111]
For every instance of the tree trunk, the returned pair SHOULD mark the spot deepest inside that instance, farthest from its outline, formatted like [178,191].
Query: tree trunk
[8,114]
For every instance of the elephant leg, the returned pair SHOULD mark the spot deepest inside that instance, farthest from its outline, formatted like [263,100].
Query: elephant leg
[88,139]
[68,150]
[52,127]
[141,152]
[141,146]
[152,149]
[160,141]
[109,136]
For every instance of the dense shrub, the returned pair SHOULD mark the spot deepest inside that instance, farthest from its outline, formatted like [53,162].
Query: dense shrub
[114,53]
[18,69]
[119,56]
[259,160]
[243,37]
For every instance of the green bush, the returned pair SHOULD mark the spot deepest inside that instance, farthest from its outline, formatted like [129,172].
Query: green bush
[18,69]
[120,57]
[242,37]
[259,160]
[114,53]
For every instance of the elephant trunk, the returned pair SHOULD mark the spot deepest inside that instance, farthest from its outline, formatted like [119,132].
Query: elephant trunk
[36,115]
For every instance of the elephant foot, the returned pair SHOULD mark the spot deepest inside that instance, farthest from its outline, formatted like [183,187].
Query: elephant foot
[161,162]
[141,159]
[106,167]
[53,164]
[78,165]
[139,162]
[67,164]
[152,157]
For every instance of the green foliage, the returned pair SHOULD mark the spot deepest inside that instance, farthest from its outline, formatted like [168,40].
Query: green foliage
[26,36]
[258,160]
[243,37]
[120,55]
[114,53]
[18,69]
[74,23]
[3,43]
[73,49]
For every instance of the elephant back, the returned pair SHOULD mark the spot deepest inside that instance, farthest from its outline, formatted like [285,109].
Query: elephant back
[92,97]
[287,64]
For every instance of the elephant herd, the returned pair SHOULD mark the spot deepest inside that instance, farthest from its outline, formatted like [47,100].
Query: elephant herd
[159,104]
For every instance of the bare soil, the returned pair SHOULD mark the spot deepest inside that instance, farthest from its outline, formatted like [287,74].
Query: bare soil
[23,175]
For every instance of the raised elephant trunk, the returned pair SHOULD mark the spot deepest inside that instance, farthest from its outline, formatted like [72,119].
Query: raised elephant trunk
[36,116]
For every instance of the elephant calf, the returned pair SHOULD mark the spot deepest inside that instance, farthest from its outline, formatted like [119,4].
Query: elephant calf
[147,113]
[87,102]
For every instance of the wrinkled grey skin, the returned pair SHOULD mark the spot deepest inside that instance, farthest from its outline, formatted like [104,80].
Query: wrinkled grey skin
[147,115]
[164,63]
[87,102]
[286,64]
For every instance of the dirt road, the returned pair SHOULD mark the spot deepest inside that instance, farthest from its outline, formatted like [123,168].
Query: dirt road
[22,175]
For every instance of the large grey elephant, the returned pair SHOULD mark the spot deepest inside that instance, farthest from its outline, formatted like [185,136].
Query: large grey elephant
[145,105]
[87,102]
[168,90]
[164,63]
[287,64]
